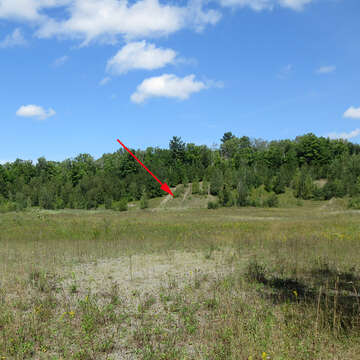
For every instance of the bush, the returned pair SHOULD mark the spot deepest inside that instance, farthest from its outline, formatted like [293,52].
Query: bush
[21,201]
[144,202]
[205,187]
[59,203]
[213,205]
[242,194]
[288,199]
[259,197]
[217,182]
[195,187]
[108,203]
[7,206]
[354,203]
[46,198]
[179,191]
[121,205]
[255,272]
[272,200]
[185,181]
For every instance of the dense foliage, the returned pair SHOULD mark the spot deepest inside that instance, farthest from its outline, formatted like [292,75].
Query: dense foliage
[240,172]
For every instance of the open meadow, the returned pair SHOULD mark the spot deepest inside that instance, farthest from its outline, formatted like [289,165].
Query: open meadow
[181,284]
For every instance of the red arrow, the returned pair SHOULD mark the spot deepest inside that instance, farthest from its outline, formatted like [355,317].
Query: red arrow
[164,186]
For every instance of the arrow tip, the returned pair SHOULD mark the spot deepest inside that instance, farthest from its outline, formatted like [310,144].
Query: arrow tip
[166,188]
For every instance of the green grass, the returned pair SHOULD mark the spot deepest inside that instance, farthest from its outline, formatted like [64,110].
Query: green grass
[230,283]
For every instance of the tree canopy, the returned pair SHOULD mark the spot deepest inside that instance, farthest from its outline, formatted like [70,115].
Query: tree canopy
[239,165]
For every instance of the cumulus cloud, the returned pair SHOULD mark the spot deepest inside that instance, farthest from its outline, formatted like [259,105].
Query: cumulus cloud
[61,61]
[352,112]
[297,5]
[139,55]
[106,19]
[29,10]
[35,111]
[344,135]
[16,38]
[326,69]
[167,85]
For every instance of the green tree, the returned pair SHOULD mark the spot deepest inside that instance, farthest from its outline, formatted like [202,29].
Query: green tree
[144,201]
[216,182]
[195,187]
[177,149]
[242,194]
[121,205]
[205,187]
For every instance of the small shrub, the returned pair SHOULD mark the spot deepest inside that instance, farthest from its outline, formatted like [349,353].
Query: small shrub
[354,203]
[272,200]
[121,205]
[255,272]
[144,201]
[43,281]
[259,197]
[21,201]
[179,191]
[213,205]
[7,206]
[108,203]
[195,187]
[205,187]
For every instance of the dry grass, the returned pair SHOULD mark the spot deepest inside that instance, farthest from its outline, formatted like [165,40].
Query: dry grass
[182,284]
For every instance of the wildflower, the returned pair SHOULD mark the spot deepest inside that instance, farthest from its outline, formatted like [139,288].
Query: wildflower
[263,355]
[295,293]
[71,313]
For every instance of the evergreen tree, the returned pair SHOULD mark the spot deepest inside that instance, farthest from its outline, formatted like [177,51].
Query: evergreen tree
[144,202]
[195,187]
[216,182]
[205,187]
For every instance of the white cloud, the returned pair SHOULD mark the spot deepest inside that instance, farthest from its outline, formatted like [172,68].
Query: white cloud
[104,81]
[352,112]
[106,19]
[29,10]
[35,111]
[344,135]
[256,5]
[167,85]
[16,38]
[61,61]
[326,69]
[297,5]
[140,55]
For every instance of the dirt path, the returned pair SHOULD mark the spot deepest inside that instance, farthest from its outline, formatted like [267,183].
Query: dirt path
[187,192]
[166,199]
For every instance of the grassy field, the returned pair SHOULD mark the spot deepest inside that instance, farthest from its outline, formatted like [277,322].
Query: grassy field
[181,283]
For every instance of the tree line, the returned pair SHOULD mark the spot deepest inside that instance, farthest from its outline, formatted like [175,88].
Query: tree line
[241,171]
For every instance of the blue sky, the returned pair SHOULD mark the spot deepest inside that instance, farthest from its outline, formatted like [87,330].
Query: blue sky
[78,74]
